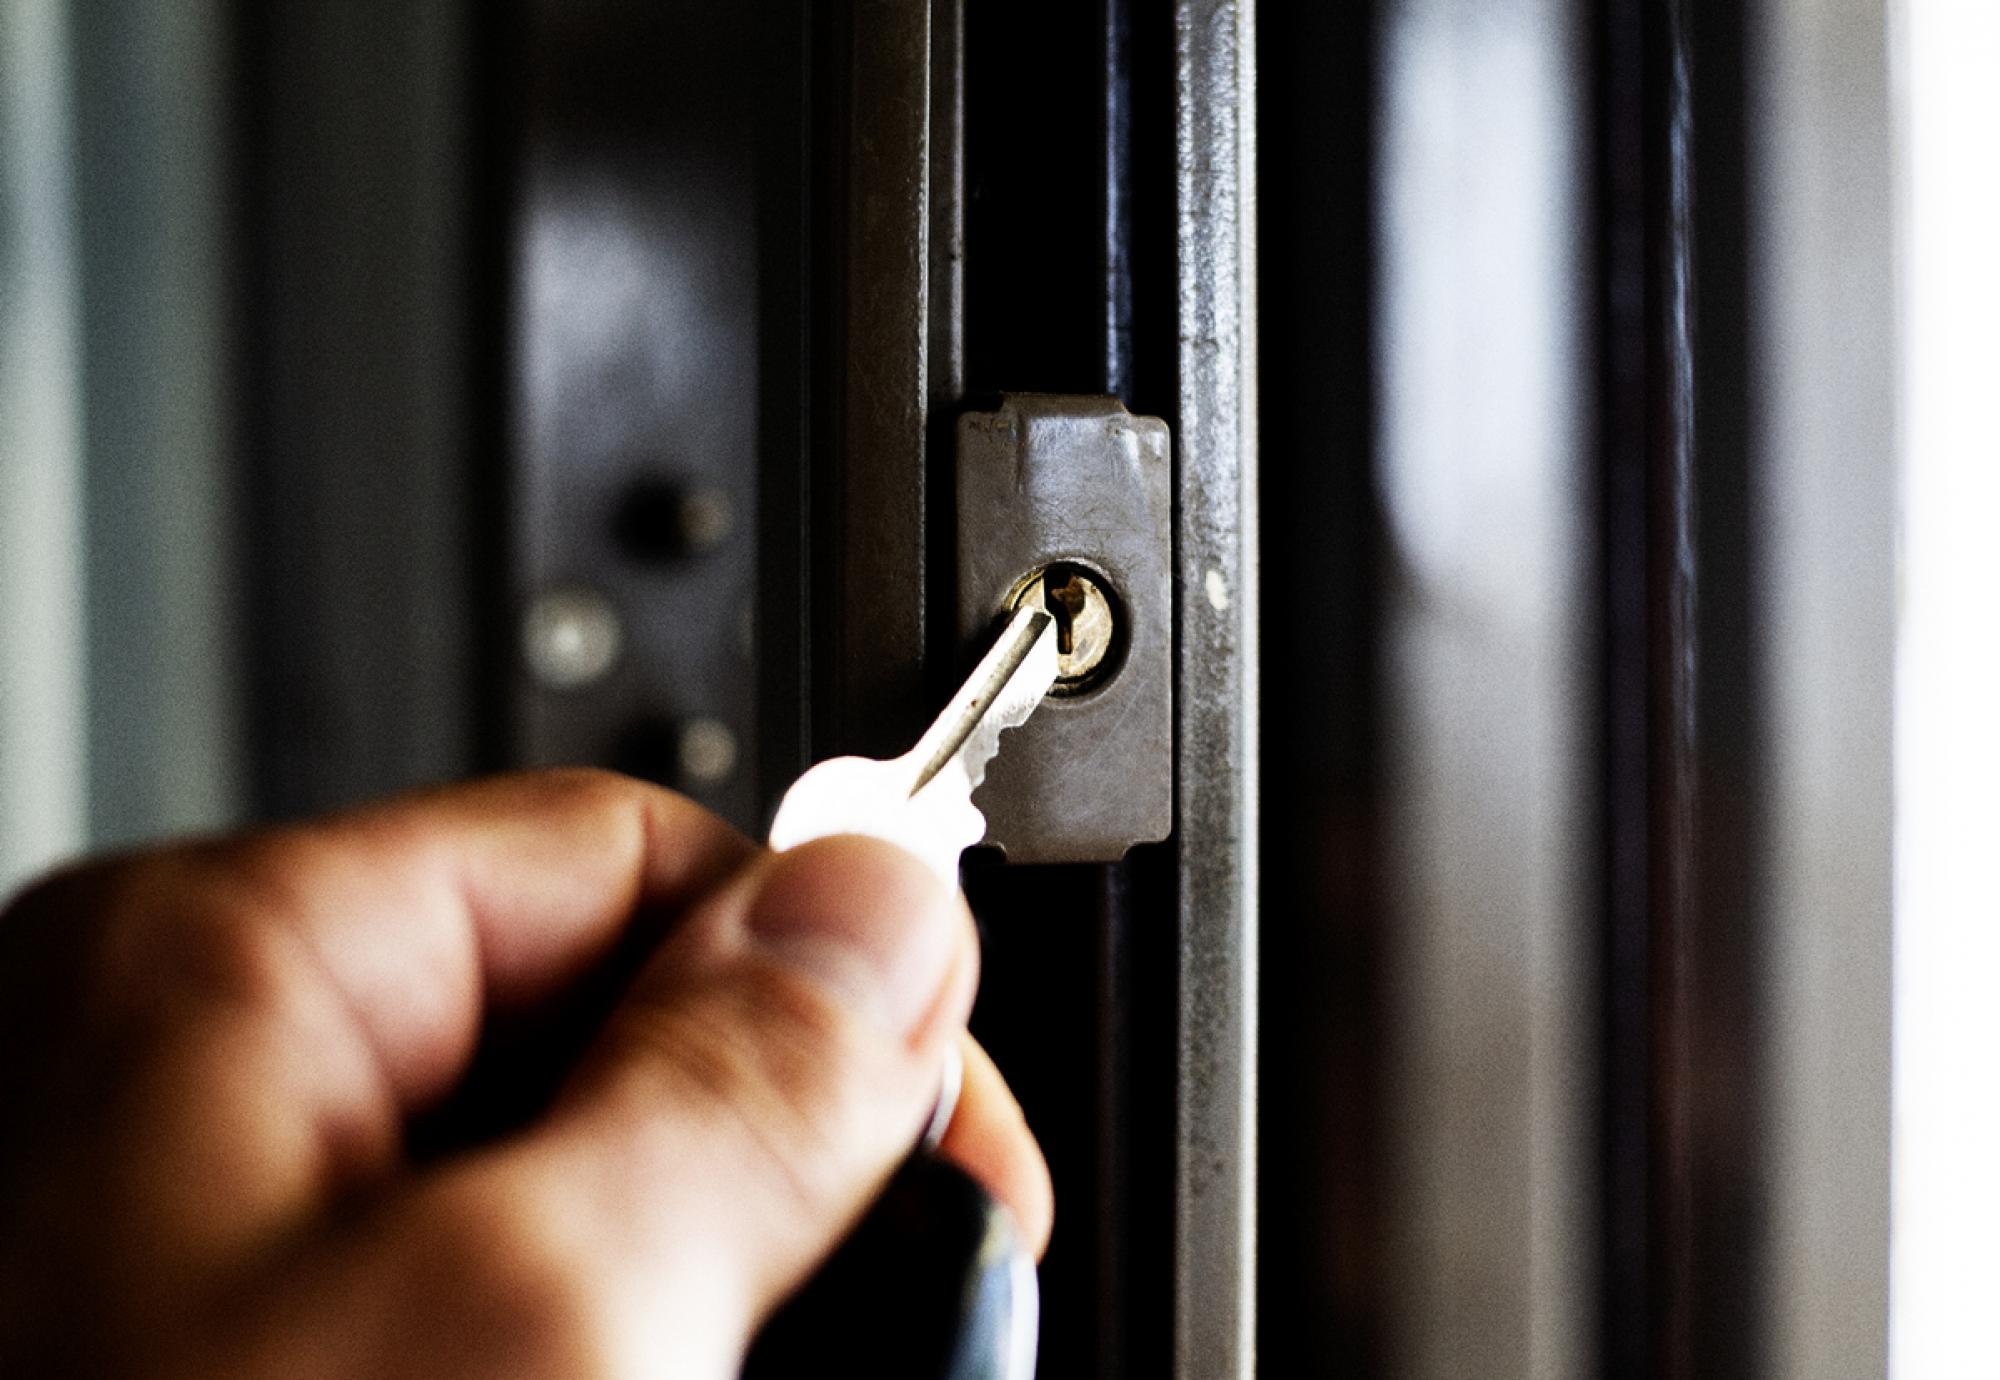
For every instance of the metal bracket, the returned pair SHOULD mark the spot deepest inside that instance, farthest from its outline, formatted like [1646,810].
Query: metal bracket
[1079,482]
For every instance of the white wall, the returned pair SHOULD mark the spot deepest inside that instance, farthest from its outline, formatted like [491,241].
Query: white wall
[1946,1208]
[42,768]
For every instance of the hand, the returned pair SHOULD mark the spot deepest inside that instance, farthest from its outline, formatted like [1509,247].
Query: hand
[221,1065]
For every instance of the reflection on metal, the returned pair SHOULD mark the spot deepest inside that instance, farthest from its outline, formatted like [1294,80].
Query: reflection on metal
[1216,691]
[944,289]
[1483,468]
[1049,479]
[1685,771]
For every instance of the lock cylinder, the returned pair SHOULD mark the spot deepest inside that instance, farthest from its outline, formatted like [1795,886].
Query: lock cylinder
[1089,627]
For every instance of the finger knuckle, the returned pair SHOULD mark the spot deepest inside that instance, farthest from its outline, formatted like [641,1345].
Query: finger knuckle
[204,926]
[593,788]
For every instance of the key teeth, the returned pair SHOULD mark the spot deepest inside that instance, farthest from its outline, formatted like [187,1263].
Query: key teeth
[1028,687]
[857,795]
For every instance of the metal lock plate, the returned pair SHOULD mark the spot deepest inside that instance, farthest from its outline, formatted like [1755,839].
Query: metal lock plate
[1081,485]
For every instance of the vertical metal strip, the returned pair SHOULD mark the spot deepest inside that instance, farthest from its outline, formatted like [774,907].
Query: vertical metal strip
[944,308]
[788,402]
[1118,209]
[1685,755]
[1215,697]
[1722,1106]
[1324,1215]
[360,430]
[945,213]
[154,266]
[1676,735]
[877,612]
[1622,267]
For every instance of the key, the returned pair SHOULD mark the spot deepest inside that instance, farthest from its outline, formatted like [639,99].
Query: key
[923,799]
[934,1283]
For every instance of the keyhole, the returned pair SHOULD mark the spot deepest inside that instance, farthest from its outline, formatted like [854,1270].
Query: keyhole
[1089,642]
[1064,594]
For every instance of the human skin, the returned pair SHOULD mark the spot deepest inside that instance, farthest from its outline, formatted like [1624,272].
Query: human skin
[284,1104]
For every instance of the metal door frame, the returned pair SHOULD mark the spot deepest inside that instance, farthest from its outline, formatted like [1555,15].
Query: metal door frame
[903,353]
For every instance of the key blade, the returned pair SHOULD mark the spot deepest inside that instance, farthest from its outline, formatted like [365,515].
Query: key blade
[1003,690]
[950,761]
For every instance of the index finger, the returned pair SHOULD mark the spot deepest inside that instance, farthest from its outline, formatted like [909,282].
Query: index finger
[430,911]
[310,987]
[421,914]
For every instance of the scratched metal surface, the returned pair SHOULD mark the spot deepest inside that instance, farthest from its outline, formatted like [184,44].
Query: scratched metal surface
[1216,692]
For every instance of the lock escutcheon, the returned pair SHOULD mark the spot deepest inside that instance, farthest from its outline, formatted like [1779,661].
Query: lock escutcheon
[1067,501]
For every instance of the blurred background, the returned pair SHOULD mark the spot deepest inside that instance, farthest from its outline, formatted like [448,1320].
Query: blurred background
[394,392]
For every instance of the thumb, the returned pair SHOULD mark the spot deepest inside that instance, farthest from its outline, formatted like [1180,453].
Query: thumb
[754,1091]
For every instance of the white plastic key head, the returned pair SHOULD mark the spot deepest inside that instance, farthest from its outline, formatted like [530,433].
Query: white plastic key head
[922,801]
[858,795]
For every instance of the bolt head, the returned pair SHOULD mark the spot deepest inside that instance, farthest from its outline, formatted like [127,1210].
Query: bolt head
[659,521]
[571,638]
[704,518]
[707,752]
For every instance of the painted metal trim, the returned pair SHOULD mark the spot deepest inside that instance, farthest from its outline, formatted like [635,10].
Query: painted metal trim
[1216,691]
